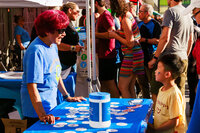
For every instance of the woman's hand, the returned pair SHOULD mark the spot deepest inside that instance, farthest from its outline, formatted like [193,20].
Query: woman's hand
[75,99]
[22,47]
[112,34]
[48,118]
[134,43]
[79,48]
[155,41]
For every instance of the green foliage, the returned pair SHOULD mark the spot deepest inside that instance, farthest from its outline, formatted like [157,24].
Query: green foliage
[164,2]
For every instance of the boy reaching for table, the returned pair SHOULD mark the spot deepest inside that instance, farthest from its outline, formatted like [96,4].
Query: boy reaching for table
[169,116]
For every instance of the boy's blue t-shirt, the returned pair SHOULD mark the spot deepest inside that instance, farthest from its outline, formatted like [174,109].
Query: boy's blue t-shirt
[41,65]
[25,38]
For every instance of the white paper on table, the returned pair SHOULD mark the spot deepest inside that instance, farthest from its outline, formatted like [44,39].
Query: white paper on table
[11,75]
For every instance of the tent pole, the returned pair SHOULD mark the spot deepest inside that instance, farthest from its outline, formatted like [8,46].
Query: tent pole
[88,47]
[94,81]
[137,9]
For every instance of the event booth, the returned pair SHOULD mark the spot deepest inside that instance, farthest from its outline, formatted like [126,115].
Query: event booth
[30,9]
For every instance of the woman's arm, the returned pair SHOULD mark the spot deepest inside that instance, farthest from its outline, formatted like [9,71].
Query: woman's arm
[18,39]
[64,92]
[150,40]
[67,47]
[37,104]
[105,35]
[127,27]
[129,38]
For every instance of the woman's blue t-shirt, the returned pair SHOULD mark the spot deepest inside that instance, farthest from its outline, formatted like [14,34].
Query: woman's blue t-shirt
[41,65]
[25,38]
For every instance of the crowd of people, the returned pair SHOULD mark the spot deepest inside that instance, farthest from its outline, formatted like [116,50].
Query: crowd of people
[132,49]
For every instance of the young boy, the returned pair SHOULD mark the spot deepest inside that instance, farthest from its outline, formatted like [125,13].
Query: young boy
[169,116]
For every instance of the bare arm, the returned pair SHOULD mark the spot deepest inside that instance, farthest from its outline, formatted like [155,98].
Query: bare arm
[129,38]
[104,35]
[150,41]
[190,43]
[18,39]
[163,41]
[64,47]
[167,125]
[64,92]
[127,27]
[61,87]
[67,47]
[37,104]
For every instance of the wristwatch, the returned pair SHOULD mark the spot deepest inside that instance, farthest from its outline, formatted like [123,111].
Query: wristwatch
[66,96]
[73,48]
[146,40]
[155,57]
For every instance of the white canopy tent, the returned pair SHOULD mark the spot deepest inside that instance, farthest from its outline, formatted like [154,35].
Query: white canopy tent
[80,3]
[15,4]
[27,8]
[29,3]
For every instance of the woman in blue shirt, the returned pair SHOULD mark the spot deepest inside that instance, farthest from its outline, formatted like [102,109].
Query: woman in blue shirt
[22,37]
[41,66]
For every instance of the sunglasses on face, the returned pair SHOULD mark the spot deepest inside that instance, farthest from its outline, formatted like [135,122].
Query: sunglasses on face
[140,11]
[60,31]
[76,12]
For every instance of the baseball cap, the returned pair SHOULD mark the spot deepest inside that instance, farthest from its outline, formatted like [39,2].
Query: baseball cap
[193,4]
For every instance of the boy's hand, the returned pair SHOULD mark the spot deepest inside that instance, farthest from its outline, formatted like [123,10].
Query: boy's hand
[150,128]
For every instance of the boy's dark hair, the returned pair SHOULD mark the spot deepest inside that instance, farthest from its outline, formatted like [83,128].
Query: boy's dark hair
[101,3]
[172,63]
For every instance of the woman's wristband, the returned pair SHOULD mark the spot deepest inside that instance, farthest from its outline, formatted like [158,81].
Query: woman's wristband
[73,48]
[155,57]
[66,96]
[146,40]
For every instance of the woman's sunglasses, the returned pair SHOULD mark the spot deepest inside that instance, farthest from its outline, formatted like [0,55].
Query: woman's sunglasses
[60,31]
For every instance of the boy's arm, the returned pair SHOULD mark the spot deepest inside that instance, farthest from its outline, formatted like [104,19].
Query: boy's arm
[168,124]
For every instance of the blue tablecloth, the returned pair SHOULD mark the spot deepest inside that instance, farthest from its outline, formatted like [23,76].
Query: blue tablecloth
[134,122]
[10,88]
[70,85]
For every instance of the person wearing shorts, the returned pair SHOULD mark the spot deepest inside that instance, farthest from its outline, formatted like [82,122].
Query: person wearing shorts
[133,62]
